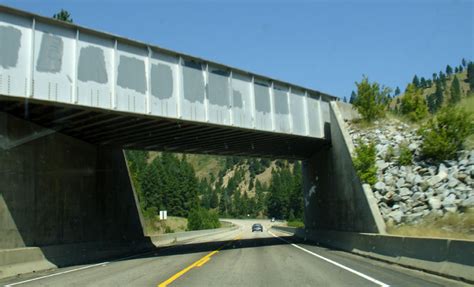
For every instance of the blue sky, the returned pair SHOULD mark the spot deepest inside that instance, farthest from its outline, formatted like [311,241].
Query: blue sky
[323,45]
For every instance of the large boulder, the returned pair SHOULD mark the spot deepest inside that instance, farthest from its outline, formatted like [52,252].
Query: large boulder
[396,215]
[380,186]
[437,178]
[434,203]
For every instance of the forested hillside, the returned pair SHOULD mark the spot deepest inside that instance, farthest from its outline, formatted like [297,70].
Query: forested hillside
[229,186]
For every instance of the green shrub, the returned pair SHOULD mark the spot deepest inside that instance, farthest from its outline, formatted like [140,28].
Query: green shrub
[168,230]
[406,156]
[371,99]
[201,218]
[150,212]
[364,162]
[413,104]
[444,135]
[296,223]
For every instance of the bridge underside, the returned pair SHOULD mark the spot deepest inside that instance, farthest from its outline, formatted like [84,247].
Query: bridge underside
[130,131]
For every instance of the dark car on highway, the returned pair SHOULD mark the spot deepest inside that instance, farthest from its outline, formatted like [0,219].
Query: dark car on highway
[257,227]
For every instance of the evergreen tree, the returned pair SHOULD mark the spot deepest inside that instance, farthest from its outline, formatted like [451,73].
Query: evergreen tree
[435,76]
[397,91]
[214,202]
[470,75]
[455,91]
[150,186]
[460,69]
[63,15]
[422,82]
[416,81]
[449,70]
[463,62]
[435,100]
[442,76]
[345,100]
[352,98]
[260,196]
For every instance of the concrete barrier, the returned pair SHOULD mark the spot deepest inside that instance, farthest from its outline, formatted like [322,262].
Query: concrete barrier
[286,229]
[171,238]
[33,259]
[22,260]
[446,257]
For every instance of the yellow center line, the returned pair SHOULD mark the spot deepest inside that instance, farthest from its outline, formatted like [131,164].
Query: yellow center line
[198,263]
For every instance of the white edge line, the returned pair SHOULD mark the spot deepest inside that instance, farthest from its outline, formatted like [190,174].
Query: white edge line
[56,274]
[334,263]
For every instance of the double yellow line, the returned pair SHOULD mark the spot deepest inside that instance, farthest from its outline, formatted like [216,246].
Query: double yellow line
[198,263]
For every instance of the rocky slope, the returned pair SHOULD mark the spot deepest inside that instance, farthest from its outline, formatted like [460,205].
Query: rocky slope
[406,194]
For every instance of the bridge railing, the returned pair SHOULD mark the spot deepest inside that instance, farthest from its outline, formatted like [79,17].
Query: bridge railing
[50,60]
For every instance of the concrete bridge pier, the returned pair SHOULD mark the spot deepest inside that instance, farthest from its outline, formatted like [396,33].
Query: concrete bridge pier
[56,190]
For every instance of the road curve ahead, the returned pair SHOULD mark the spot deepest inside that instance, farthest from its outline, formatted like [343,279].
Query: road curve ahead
[237,258]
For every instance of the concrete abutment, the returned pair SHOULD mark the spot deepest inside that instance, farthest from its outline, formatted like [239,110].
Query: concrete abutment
[334,197]
[56,189]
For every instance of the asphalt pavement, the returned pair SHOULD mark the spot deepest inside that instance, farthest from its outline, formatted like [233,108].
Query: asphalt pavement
[237,258]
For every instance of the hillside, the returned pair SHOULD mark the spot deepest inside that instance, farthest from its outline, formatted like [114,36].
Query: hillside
[211,167]
[430,90]
[423,187]
[229,186]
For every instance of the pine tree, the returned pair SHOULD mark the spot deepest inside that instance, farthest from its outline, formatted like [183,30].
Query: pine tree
[442,76]
[463,62]
[416,81]
[438,98]
[397,91]
[456,70]
[435,100]
[455,91]
[422,82]
[449,70]
[63,15]
[435,76]
[260,196]
[214,202]
[470,75]
[352,98]
[345,99]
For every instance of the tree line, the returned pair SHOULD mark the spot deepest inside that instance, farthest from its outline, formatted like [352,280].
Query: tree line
[169,182]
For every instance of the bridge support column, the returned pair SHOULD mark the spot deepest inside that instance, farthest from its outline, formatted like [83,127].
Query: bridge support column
[55,189]
[334,198]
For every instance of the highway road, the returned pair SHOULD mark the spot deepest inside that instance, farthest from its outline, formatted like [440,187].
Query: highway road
[237,258]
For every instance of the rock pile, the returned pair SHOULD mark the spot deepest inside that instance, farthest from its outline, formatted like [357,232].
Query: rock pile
[405,194]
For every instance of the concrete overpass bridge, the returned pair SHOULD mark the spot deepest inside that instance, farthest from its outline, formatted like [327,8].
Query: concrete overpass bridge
[72,98]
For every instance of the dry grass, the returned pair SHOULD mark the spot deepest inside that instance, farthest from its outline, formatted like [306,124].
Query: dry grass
[205,165]
[452,225]
[153,226]
[226,224]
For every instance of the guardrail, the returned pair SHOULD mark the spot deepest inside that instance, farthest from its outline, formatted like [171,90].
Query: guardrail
[170,238]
